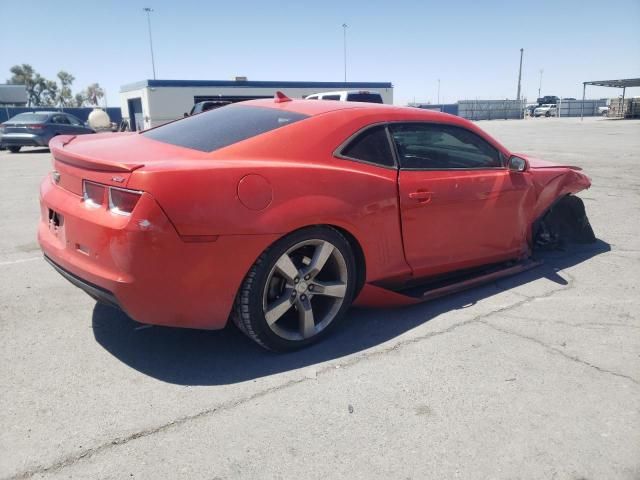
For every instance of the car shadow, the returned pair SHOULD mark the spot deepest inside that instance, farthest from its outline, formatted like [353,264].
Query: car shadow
[32,150]
[197,357]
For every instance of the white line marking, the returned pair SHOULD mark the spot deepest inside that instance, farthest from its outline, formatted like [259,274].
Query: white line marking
[22,260]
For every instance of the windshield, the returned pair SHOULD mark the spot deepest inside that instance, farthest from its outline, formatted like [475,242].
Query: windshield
[29,118]
[222,127]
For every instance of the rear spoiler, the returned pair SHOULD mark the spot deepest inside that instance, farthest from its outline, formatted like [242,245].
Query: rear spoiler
[57,144]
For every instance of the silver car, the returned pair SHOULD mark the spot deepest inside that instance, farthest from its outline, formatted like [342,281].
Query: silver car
[35,129]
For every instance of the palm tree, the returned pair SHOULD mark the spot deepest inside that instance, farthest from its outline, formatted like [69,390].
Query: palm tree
[94,93]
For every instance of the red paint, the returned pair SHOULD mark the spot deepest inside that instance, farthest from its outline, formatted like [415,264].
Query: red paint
[204,218]
[255,192]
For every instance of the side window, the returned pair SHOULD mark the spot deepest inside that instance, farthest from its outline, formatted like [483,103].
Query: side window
[331,97]
[61,119]
[441,147]
[74,121]
[371,146]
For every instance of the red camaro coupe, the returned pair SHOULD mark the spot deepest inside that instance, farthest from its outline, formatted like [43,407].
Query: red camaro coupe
[280,214]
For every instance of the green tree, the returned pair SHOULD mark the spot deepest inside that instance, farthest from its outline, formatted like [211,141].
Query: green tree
[65,96]
[39,87]
[24,75]
[49,97]
[94,93]
[79,99]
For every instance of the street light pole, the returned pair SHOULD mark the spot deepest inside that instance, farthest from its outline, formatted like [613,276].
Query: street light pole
[344,36]
[540,85]
[520,74]
[153,63]
[438,91]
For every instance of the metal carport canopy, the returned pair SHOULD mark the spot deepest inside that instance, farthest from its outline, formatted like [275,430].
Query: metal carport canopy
[623,84]
[628,82]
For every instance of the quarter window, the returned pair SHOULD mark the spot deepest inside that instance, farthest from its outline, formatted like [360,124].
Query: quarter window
[442,147]
[221,127]
[371,146]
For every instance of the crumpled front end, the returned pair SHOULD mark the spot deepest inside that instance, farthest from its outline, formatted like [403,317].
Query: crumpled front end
[559,216]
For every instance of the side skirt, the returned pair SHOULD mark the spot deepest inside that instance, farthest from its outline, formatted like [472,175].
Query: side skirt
[374,296]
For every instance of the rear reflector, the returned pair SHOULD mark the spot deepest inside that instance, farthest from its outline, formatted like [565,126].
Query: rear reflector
[93,193]
[122,201]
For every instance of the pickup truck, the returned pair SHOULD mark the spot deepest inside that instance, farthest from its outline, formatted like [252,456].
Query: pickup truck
[546,110]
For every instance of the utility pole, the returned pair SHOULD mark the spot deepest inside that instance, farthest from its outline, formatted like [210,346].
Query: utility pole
[540,85]
[153,63]
[520,74]
[438,91]
[344,36]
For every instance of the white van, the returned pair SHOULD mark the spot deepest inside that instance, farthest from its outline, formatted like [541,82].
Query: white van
[348,96]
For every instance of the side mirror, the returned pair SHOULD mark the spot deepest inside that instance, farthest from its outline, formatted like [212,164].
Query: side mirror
[517,164]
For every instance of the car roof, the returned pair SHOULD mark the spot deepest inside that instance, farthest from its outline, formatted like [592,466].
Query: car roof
[40,113]
[340,92]
[313,107]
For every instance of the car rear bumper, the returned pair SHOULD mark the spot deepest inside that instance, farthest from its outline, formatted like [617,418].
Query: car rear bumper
[140,264]
[99,293]
[23,140]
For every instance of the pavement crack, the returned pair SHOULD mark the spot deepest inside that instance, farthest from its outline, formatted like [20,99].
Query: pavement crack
[90,452]
[560,352]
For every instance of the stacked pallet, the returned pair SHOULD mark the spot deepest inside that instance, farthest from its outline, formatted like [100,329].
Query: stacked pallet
[630,109]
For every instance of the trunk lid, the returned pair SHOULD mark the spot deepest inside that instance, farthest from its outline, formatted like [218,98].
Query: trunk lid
[107,158]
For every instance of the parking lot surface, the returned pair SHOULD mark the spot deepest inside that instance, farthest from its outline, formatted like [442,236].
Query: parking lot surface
[534,376]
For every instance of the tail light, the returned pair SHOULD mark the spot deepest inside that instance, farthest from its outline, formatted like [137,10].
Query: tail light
[122,201]
[93,193]
[35,126]
[2,127]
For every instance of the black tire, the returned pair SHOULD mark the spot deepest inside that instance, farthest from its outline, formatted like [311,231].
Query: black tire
[548,114]
[14,148]
[253,297]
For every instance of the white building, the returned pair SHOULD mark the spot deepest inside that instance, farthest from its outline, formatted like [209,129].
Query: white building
[150,103]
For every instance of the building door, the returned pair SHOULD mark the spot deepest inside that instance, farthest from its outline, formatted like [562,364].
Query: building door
[135,114]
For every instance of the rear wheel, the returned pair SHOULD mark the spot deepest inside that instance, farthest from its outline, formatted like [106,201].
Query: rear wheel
[14,149]
[298,290]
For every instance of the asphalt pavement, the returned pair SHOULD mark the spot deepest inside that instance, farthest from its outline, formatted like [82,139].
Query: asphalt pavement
[536,376]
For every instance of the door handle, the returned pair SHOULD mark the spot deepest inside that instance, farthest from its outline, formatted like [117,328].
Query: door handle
[421,196]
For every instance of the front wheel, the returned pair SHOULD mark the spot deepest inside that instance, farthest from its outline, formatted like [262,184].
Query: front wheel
[298,290]
[14,149]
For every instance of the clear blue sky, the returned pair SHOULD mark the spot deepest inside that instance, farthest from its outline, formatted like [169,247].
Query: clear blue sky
[472,46]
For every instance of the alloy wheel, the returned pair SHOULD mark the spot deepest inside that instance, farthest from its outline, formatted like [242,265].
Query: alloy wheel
[305,289]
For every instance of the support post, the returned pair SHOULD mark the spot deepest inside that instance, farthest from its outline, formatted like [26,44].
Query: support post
[584,91]
[624,89]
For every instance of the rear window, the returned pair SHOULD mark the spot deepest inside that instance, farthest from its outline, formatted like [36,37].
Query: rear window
[29,117]
[222,127]
[364,97]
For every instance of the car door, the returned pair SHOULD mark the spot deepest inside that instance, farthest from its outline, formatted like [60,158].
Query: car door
[61,124]
[460,206]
